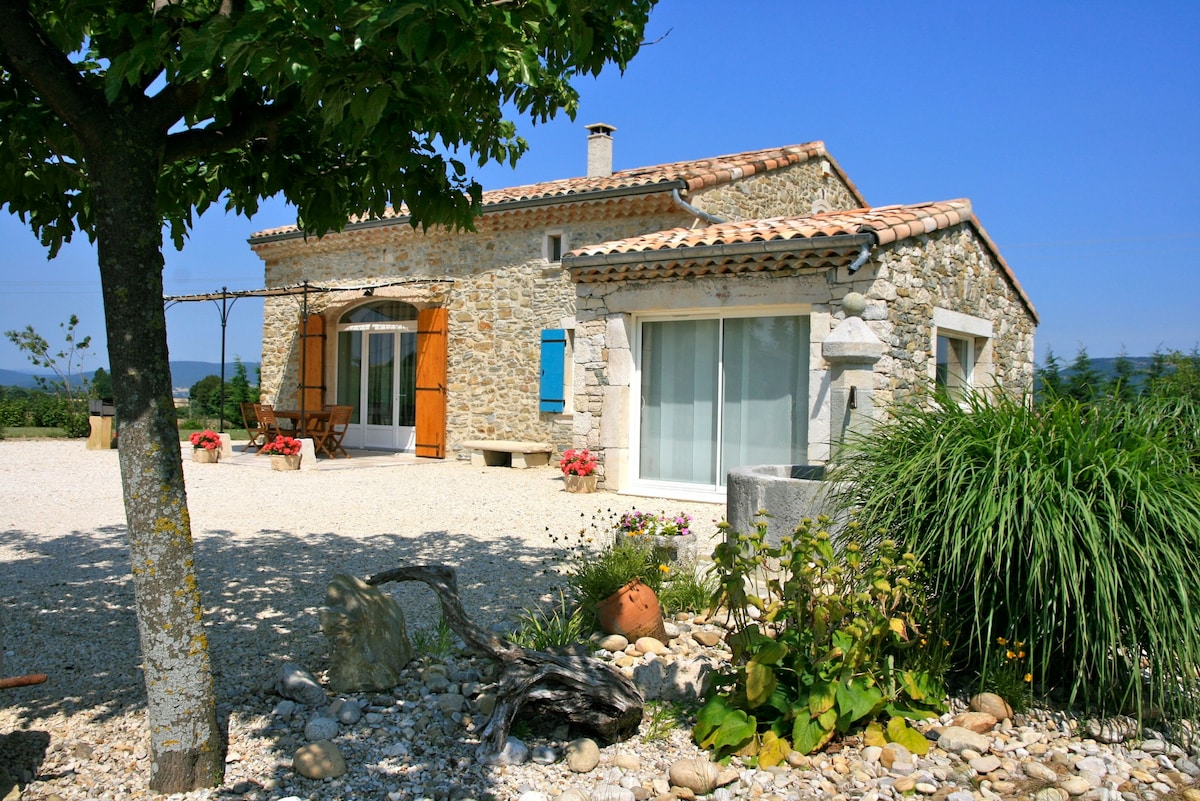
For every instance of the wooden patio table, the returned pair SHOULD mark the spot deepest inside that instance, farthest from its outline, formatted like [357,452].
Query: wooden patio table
[304,421]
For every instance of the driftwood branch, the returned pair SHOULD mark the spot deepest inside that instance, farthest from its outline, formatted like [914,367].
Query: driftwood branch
[580,690]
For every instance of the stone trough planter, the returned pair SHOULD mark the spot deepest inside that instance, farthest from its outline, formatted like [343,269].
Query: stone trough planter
[789,492]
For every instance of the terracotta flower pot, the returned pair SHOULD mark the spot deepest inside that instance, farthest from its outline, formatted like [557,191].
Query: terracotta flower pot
[206,456]
[281,462]
[574,483]
[632,612]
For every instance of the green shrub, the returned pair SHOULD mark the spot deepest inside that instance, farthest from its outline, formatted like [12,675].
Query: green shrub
[1073,528]
[834,646]
[686,590]
[559,626]
[596,574]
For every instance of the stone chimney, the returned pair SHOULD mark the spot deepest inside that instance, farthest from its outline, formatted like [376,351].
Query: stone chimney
[600,141]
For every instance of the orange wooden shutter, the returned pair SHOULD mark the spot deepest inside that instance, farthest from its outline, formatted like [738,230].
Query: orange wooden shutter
[312,362]
[432,335]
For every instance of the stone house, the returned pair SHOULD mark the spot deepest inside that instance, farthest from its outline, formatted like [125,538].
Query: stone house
[680,319]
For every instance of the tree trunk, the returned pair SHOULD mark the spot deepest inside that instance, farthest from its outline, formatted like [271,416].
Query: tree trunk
[578,690]
[186,743]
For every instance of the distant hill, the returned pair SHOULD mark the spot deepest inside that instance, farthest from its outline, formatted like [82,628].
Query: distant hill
[183,374]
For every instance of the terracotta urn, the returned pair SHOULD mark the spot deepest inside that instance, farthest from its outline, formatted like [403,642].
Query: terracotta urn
[281,462]
[632,612]
[574,483]
[206,456]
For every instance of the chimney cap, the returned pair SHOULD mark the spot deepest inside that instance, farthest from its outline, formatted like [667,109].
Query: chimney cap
[600,129]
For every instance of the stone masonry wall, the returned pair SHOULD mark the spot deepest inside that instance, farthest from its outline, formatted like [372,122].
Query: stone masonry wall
[953,270]
[903,282]
[795,191]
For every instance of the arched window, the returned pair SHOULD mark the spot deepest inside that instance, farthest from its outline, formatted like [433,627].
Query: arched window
[380,311]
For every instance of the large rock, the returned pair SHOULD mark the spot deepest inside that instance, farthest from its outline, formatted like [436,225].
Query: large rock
[992,704]
[957,739]
[699,775]
[679,682]
[319,760]
[368,641]
[583,755]
[297,684]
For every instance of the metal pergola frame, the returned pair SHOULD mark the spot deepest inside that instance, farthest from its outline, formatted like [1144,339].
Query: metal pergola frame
[225,299]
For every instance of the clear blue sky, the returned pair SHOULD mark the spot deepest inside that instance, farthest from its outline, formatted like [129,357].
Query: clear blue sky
[1072,127]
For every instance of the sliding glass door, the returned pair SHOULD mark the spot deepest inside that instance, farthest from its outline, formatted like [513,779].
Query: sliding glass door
[719,393]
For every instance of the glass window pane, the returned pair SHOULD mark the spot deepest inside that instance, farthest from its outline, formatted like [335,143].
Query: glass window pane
[954,364]
[679,401]
[380,372]
[408,379]
[349,371]
[764,417]
[380,311]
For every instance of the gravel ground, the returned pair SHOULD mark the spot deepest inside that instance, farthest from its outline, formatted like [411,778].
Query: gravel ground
[267,544]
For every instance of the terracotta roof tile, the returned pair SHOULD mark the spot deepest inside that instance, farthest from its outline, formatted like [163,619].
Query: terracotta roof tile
[667,254]
[887,223]
[695,174]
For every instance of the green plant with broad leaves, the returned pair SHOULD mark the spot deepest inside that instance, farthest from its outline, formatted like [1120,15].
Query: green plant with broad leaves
[1075,527]
[835,645]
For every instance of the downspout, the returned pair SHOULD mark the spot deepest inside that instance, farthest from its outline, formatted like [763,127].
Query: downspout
[860,260]
[690,209]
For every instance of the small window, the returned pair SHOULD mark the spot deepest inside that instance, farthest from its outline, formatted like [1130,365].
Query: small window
[554,247]
[955,364]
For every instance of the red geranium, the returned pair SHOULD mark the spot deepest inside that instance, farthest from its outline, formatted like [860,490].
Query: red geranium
[282,446]
[208,439]
[577,463]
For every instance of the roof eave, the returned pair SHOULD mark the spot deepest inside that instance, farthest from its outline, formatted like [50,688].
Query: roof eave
[850,244]
[503,206]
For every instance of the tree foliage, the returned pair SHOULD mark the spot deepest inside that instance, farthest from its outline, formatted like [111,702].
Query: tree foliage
[345,108]
[120,119]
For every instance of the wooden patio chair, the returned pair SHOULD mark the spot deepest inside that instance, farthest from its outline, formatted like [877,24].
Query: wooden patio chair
[270,423]
[250,420]
[328,440]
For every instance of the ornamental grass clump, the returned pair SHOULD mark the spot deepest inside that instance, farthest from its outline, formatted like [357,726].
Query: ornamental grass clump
[1075,528]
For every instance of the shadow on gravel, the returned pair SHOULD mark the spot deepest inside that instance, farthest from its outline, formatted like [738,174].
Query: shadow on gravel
[73,597]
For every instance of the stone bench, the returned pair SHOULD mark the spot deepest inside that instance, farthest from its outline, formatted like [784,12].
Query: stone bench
[507,453]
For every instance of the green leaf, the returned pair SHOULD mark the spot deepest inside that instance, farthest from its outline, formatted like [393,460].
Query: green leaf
[772,750]
[856,700]
[723,728]
[771,653]
[808,735]
[822,698]
[760,683]
[898,731]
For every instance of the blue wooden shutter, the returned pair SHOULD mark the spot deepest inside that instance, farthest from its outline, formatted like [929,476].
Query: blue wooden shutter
[554,352]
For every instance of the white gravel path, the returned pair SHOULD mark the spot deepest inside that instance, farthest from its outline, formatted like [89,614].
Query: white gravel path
[267,543]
